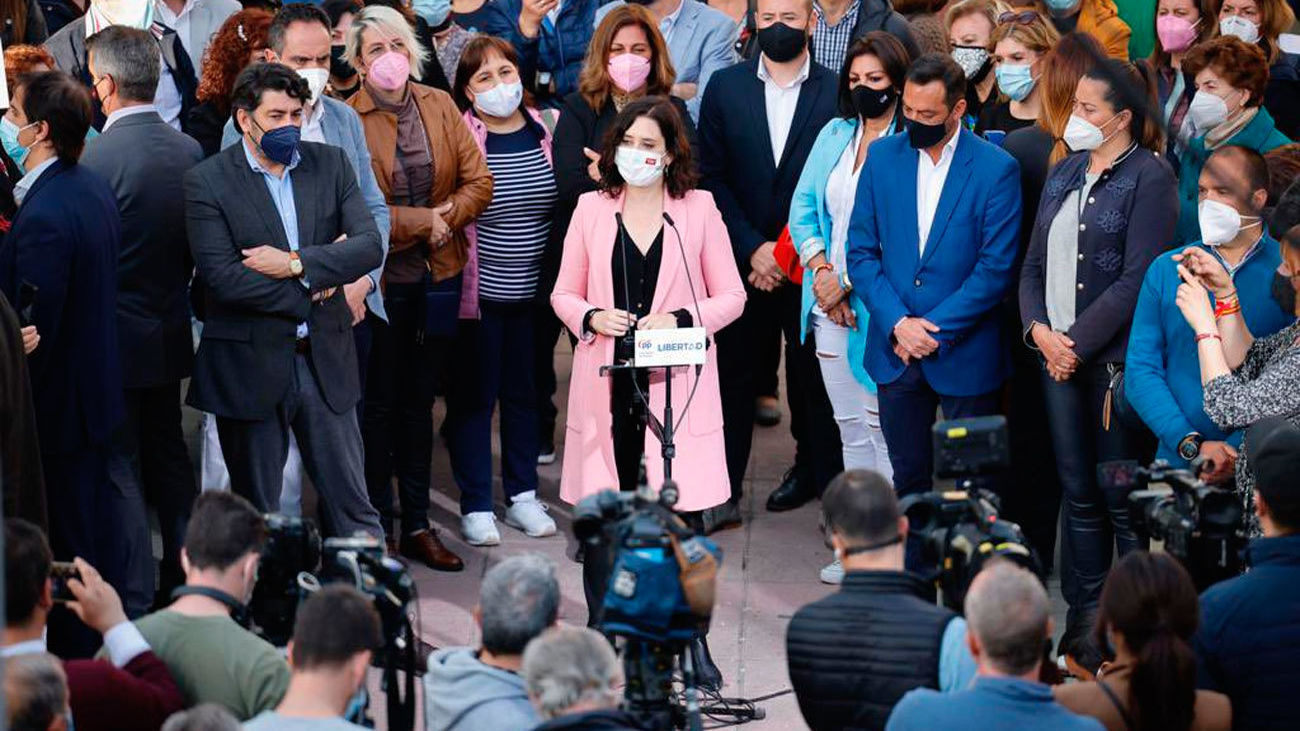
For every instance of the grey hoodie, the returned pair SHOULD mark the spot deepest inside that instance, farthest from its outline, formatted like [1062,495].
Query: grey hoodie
[463,694]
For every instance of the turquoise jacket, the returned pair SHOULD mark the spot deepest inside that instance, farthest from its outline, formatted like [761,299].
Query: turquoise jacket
[1260,134]
[810,230]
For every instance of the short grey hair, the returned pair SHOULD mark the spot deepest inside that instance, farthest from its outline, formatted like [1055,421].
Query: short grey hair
[36,691]
[520,598]
[205,717]
[1007,609]
[130,56]
[387,22]
[568,666]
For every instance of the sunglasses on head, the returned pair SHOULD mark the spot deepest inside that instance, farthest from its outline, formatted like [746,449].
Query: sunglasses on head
[1024,17]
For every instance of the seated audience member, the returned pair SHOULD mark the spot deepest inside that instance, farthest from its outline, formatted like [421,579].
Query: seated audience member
[1097,18]
[36,694]
[882,617]
[467,689]
[203,717]
[213,659]
[1248,637]
[132,688]
[1010,623]
[335,634]
[573,678]
[1147,615]
[1163,376]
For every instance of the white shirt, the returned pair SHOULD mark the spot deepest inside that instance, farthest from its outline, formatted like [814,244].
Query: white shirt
[669,22]
[930,177]
[127,112]
[167,98]
[123,643]
[311,123]
[841,191]
[177,22]
[27,181]
[781,102]
[554,13]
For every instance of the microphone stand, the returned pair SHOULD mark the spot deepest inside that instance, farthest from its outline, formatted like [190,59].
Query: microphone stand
[663,430]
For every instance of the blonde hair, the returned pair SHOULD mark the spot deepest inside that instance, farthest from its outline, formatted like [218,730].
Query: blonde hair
[1038,36]
[990,9]
[390,24]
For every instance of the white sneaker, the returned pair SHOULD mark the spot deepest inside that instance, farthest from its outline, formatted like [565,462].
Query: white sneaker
[480,529]
[546,456]
[833,573]
[529,515]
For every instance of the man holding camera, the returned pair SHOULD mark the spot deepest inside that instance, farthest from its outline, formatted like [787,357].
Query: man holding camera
[213,659]
[1249,634]
[854,654]
[132,688]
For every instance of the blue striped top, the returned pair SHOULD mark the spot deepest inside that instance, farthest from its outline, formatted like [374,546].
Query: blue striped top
[513,230]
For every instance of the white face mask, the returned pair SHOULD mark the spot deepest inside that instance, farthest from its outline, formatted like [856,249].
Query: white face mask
[501,100]
[1207,111]
[638,167]
[1220,222]
[316,80]
[1082,135]
[1235,25]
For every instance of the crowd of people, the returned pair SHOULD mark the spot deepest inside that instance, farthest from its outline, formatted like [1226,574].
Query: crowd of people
[1083,215]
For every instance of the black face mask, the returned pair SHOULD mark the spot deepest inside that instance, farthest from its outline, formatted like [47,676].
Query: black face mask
[871,103]
[923,136]
[339,68]
[1284,293]
[782,43]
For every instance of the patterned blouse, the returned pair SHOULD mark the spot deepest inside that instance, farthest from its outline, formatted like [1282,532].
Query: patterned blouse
[1267,384]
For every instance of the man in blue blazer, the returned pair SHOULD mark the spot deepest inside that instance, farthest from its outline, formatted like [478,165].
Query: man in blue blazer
[701,40]
[60,256]
[932,244]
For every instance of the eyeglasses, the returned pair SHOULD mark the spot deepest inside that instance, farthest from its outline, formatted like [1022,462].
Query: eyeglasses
[1024,17]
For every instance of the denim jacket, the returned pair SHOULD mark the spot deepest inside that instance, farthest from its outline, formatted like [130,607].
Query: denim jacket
[1127,220]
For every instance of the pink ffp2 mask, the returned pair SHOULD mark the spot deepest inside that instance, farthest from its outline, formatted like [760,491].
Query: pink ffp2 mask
[390,71]
[629,71]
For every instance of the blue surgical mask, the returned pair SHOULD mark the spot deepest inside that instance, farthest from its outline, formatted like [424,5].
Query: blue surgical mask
[280,144]
[1061,6]
[1016,81]
[434,12]
[15,151]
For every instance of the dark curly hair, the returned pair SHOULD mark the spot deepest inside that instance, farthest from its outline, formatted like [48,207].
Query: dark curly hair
[680,177]
[1239,63]
[227,54]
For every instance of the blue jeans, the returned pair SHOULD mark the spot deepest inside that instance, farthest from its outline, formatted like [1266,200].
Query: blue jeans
[493,362]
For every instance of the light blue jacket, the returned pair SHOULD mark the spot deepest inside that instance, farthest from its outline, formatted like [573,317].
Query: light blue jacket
[702,42]
[810,230]
[342,128]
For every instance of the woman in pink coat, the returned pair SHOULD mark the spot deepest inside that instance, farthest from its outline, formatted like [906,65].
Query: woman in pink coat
[628,232]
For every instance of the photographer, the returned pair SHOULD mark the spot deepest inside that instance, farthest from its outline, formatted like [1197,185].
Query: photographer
[467,689]
[130,690]
[1010,623]
[1248,639]
[882,616]
[573,678]
[213,659]
[1148,614]
[334,636]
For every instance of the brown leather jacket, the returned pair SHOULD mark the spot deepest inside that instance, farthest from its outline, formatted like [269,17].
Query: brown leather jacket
[461,174]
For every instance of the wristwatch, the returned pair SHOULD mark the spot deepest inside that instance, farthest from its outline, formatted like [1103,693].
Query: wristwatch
[845,284]
[295,264]
[1189,448]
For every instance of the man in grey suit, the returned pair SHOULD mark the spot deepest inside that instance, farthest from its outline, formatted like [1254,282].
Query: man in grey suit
[278,227]
[701,40]
[143,160]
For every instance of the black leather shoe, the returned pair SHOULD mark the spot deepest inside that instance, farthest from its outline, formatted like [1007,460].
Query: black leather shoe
[726,515]
[795,491]
[707,674]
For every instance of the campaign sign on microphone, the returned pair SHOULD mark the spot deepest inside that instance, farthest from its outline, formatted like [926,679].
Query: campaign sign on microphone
[672,347]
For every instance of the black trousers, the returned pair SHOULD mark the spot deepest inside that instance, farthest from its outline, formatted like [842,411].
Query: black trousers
[546,330]
[818,455]
[1031,495]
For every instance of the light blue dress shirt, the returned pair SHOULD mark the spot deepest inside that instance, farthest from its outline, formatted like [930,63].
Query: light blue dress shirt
[281,190]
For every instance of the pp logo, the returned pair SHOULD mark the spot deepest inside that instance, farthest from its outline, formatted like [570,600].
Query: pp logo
[645,345]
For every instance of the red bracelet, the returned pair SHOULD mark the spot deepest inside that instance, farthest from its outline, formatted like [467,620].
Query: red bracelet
[1208,336]
[1227,306]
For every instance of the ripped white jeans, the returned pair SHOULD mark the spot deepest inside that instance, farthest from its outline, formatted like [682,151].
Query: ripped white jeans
[857,412]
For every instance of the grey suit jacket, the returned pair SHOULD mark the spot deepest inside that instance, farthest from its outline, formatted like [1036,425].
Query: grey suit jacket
[143,160]
[703,41]
[244,366]
[342,128]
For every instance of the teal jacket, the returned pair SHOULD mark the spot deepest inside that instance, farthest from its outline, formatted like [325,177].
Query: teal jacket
[1260,134]
[810,230]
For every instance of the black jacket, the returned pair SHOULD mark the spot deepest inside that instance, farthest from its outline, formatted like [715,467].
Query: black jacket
[880,15]
[34,31]
[854,654]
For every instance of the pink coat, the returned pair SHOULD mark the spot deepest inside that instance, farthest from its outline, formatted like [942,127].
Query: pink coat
[585,282]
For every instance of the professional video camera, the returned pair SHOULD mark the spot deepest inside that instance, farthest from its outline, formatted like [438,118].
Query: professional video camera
[658,603]
[1201,526]
[295,563]
[952,534]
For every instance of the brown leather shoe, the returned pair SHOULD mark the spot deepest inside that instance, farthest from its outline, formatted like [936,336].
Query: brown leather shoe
[428,550]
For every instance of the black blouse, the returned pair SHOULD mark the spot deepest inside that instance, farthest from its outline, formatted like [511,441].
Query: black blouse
[640,272]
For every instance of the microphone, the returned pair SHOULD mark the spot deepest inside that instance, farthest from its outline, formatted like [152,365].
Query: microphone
[699,322]
[630,336]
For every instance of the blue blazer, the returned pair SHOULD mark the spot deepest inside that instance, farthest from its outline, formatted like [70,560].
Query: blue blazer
[702,41]
[64,240]
[960,280]
[342,128]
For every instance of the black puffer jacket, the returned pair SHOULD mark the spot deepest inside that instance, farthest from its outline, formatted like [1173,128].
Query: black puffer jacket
[854,654]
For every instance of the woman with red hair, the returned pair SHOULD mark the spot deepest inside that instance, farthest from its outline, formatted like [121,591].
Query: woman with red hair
[240,41]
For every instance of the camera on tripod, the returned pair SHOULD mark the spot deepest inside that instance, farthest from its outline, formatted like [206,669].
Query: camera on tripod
[955,533]
[1200,525]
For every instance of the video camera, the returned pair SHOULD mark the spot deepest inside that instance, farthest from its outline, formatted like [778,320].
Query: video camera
[1200,525]
[953,534]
